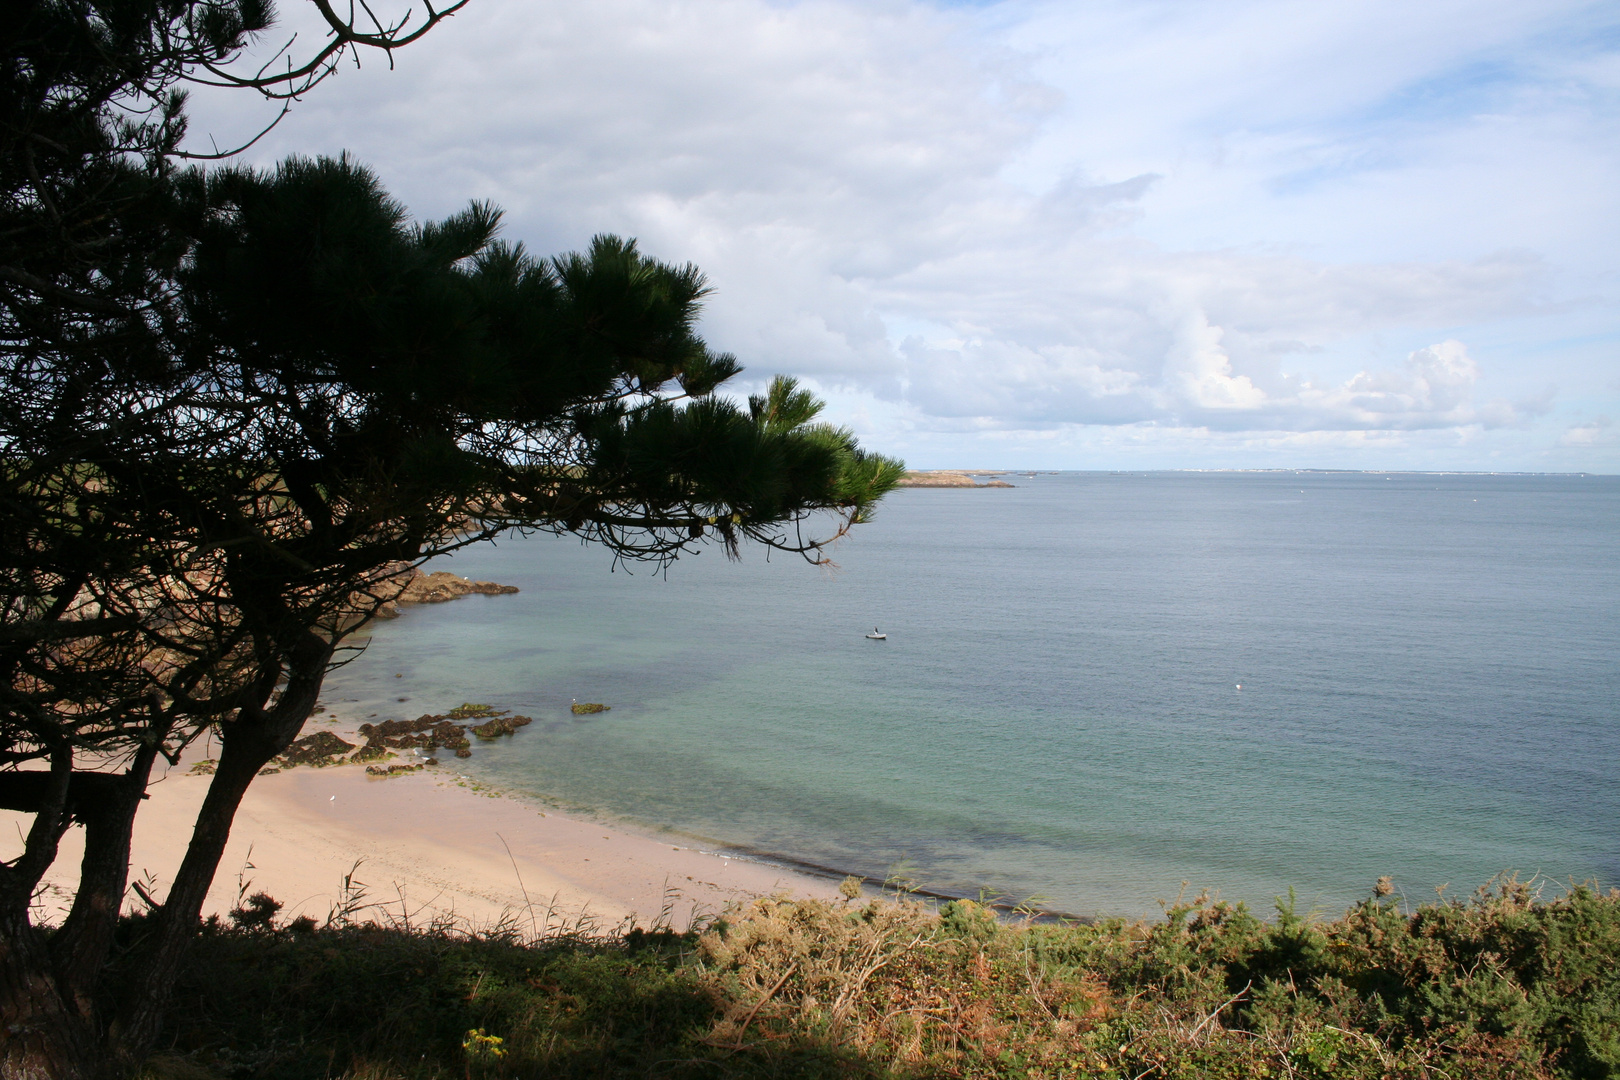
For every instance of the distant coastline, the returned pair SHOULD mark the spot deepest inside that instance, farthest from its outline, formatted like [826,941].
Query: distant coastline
[927,477]
[953,478]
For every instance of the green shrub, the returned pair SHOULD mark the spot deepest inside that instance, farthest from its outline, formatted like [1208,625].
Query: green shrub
[1503,984]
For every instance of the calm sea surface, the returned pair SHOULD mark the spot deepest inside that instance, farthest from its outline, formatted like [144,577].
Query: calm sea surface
[1430,673]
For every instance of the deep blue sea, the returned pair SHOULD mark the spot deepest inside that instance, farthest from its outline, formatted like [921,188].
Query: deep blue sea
[1429,670]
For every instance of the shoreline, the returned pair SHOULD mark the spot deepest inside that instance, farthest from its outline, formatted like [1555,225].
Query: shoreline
[429,843]
[425,845]
[804,877]
[418,847]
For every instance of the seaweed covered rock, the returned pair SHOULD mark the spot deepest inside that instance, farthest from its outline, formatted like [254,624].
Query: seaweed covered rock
[392,770]
[467,710]
[394,728]
[427,731]
[447,734]
[435,731]
[500,725]
[319,749]
[582,707]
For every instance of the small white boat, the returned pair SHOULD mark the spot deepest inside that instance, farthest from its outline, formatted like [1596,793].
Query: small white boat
[877,635]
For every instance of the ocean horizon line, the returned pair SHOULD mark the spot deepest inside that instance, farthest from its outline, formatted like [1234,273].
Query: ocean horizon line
[1295,470]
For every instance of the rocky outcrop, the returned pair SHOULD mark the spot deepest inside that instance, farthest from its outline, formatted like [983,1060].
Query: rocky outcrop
[950,478]
[392,770]
[321,748]
[500,725]
[937,478]
[428,732]
[437,588]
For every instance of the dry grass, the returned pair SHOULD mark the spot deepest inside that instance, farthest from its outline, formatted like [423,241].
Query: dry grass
[1504,984]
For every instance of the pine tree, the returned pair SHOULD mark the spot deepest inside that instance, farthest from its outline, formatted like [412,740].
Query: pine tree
[234,403]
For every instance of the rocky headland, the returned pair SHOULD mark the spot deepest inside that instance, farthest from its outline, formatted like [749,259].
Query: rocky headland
[952,478]
[437,588]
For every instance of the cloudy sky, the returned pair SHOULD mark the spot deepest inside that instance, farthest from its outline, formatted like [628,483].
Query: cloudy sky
[1090,234]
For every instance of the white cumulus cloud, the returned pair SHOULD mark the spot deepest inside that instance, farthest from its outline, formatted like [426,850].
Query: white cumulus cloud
[1155,217]
[1597,432]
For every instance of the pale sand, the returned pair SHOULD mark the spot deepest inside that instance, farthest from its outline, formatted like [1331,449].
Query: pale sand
[429,844]
[428,847]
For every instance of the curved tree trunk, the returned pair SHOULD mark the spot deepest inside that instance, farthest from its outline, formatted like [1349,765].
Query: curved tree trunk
[47,1016]
[246,745]
[42,1036]
[80,948]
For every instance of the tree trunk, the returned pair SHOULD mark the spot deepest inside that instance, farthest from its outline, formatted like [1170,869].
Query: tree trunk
[19,878]
[42,1037]
[81,946]
[47,1019]
[41,1033]
[246,745]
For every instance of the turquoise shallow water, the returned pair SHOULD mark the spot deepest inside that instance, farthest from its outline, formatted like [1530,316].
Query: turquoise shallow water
[1430,686]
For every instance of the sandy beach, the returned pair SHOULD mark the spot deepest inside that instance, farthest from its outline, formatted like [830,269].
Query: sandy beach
[428,844]
[420,845]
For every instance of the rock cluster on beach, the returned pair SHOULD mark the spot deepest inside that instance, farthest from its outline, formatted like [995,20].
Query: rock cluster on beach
[321,748]
[429,732]
[393,770]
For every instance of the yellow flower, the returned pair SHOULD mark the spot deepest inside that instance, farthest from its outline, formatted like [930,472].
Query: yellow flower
[481,1047]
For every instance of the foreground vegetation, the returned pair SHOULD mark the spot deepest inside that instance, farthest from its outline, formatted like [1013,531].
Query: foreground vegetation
[1508,983]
